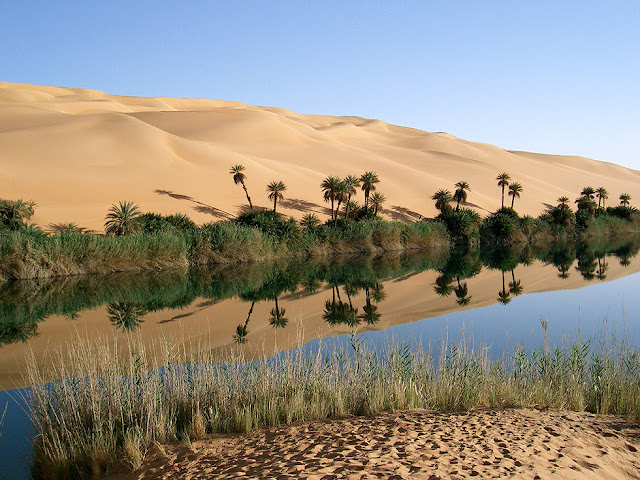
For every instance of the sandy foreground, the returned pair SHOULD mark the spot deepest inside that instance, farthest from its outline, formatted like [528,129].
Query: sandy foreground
[511,443]
[75,152]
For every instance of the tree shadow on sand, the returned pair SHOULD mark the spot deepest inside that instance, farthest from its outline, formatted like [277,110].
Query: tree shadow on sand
[402,214]
[199,206]
[304,206]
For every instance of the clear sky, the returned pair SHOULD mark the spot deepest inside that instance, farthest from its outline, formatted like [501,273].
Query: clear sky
[557,76]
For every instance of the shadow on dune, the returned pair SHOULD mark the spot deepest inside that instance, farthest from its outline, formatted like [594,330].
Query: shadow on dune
[200,206]
[401,214]
[304,206]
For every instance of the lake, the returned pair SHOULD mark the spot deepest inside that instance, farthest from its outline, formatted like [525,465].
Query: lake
[496,297]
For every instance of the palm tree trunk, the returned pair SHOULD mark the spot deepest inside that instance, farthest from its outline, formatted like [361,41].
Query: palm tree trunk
[346,209]
[502,196]
[246,322]
[247,194]
[513,199]
[331,208]
[275,201]
[366,199]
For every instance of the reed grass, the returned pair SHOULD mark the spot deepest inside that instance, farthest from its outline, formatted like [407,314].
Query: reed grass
[110,406]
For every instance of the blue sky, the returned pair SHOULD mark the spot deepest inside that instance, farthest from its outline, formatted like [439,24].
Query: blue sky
[546,76]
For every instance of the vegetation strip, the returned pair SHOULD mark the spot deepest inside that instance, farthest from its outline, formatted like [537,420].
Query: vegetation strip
[110,406]
[138,241]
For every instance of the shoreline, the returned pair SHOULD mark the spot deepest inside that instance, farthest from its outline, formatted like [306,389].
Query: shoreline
[420,444]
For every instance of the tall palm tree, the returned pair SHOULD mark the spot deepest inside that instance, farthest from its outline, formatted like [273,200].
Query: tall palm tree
[504,296]
[369,180]
[462,293]
[242,330]
[238,178]
[275,190]
[121,219]
[443,199]
[377,200]
[588,192]
[342,195]
[460,195]
[277,317]
[514,191]
[330,187]
[503,181]
[602,195]
[563,202]
[352,182]
[624,199]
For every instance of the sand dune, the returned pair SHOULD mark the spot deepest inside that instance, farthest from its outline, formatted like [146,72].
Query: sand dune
[77,151]
[522,443]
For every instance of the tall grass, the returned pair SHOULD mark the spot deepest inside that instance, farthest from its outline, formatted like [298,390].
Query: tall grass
[110,406]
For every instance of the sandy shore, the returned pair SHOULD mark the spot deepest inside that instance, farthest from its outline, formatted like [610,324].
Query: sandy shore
[511,443]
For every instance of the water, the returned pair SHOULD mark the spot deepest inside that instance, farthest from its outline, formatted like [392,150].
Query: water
[496,297]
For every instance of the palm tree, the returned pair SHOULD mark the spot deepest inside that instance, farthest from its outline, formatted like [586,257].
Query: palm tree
[443,198]
[15,213]
[370,313]
[121,220]
[504,294]
[275,190]
[377,200]
[602,195]
[241,330]
[503,181]
[460,195]
[624,199]
[588,192]
[350,208]
[342,195]
[462,292]
[277,317]
[330,187]
[514,190]
[309,221]
[239,178]
[369,180]
[125,315]
[352,182]
[443,285]
[515,286]
[563,202]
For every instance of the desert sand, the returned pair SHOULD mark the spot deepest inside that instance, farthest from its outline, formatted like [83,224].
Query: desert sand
[518,443]
[75,152]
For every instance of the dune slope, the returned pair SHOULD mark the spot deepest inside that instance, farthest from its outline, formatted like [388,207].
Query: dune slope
[77,151]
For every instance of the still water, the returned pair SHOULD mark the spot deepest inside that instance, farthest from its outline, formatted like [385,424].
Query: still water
[497,297]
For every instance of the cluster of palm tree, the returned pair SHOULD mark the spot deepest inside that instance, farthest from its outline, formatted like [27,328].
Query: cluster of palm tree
[444,198]
[586,200]
[274,190]
[514,190]
[14,214]
[339,191]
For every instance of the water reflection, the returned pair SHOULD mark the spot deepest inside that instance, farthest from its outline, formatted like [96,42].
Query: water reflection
[352,288]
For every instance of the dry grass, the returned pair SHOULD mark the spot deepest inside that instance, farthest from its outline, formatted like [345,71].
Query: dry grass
[110,406]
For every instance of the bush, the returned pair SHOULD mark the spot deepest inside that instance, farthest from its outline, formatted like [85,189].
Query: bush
[621,212]
[270,223]
[155,223]
[463,225]
[498,226]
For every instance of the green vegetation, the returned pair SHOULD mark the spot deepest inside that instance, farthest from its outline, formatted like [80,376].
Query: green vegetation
[129,295]
[110,406]
[148,241]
